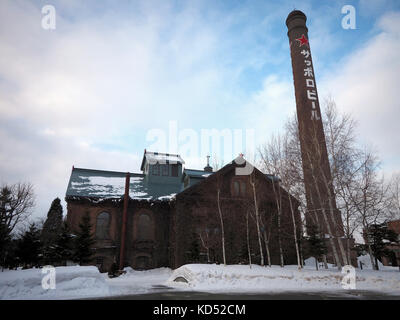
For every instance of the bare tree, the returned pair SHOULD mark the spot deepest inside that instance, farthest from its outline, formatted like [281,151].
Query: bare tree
[248,236]
[256,210]
[205,242]
[219,186]
[277,157]
[272,162]
[343,156]
[343,153]
[370,199]
[16,202]
[315,175]
[216,163]
[266,232]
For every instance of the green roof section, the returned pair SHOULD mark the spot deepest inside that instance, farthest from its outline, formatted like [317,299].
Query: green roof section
[193,173]
[102,184]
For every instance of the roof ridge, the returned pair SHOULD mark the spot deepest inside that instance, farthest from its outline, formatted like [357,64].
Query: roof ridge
[163,154]
[195,170]
[108,171]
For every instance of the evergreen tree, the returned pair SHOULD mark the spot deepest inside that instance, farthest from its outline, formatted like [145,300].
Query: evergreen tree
[64,245]
[5,239]
[29,247]
[315,243]
[11,260]
[53,224]
[380,236]
[61,249]
[83,241]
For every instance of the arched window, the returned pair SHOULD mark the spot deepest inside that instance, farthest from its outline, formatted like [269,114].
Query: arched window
[103,225]
[144,228]
[243,188]
[236,188]
[239,188]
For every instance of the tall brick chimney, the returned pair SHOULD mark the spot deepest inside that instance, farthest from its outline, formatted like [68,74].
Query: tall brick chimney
[321,203]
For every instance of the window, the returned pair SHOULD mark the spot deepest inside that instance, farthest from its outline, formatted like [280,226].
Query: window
[165,170]
[242,188]
[103,225]
[156,169]
[236,188]
[174,170]
[239,188]
[144,228]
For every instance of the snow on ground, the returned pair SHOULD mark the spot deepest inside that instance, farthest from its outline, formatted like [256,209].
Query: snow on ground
[240,278]
[139,282]
[71,282]
[77,282]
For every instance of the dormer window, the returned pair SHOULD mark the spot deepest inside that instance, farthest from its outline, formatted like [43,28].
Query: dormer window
[165,170]
[156,169]
[174,170]
[159,164]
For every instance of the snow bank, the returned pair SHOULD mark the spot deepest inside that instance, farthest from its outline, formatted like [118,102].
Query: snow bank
[240,278]
[139,282]
[366,262]
[71,282]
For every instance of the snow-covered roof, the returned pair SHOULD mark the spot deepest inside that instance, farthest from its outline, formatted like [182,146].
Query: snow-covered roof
[161,158]
[197,173]
[110,184]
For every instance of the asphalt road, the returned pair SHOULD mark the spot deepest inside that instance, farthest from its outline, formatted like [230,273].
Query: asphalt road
[190,295]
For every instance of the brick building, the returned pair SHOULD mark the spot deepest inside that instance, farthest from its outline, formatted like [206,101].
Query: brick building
[169,215]
[394,258]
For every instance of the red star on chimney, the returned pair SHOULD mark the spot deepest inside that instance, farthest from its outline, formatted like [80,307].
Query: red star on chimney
[303,40]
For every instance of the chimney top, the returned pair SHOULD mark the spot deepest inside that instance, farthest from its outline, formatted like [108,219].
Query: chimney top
[296,14]
[296,19]
[208,168]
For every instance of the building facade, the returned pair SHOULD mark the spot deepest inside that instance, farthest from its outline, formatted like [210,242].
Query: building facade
[393,259]
[168,215]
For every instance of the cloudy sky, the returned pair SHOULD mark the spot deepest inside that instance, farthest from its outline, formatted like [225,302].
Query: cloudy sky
[91,92]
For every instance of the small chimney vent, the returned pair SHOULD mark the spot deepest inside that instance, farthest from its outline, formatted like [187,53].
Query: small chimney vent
[208,168]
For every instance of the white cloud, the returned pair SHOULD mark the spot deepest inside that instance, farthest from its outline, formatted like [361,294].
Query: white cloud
[366,84]
[102,76]
[268,108]
[92,81]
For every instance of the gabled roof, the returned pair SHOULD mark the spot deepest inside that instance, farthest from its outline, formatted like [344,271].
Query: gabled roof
[157,157]
[238,162]
[102,184]
[111,184]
